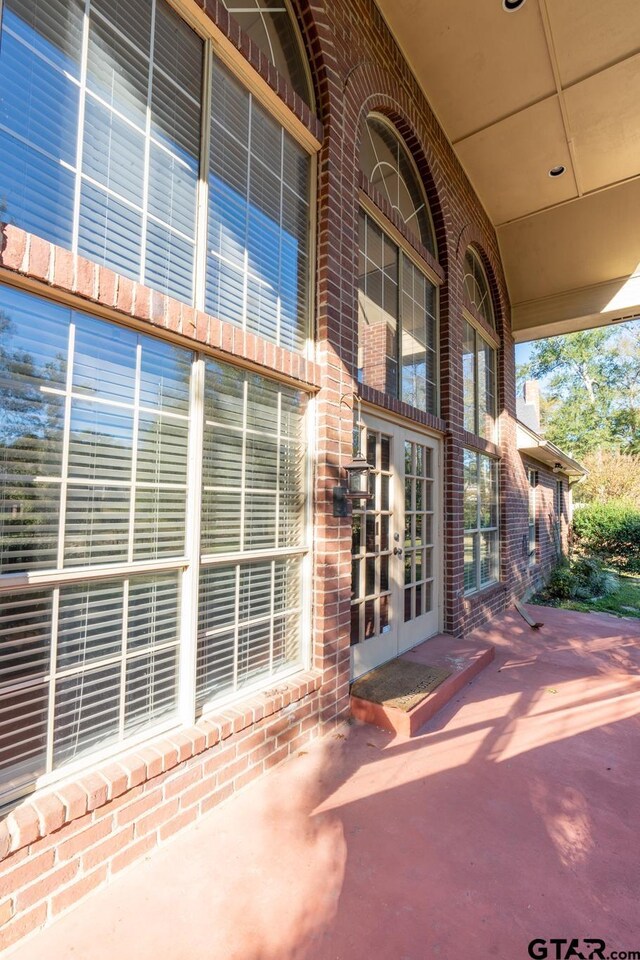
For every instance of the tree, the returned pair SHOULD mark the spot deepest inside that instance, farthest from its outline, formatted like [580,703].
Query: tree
[592,389]
[612,476]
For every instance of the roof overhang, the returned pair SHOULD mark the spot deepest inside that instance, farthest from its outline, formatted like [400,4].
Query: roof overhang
[556,82]
[545,452]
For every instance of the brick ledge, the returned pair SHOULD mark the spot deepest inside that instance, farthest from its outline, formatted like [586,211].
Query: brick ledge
[53,807]
[485,593]
[46,265]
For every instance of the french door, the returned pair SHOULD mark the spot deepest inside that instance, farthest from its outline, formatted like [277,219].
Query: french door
[395,595]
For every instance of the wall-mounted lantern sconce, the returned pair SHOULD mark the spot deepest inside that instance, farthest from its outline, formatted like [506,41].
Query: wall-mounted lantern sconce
[557,468]
[357,476]
[358,471]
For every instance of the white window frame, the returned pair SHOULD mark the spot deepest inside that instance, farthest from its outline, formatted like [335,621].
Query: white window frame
[475,258]
[477,530]
[480,333]
[384,121]
[406,250]
[188,564]
[216,45]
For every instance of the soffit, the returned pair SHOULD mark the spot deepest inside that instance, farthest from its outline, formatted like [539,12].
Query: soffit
[556,82]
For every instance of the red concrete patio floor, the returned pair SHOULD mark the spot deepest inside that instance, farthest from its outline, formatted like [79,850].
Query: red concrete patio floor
[513,817]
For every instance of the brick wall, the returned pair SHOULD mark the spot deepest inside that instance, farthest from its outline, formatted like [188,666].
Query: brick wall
[549,526]
[74,837]
[62,844]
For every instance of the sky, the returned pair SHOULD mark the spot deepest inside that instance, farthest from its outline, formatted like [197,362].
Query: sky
[523,350]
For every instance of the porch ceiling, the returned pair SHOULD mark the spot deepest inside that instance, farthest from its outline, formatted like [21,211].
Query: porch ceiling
[556,82]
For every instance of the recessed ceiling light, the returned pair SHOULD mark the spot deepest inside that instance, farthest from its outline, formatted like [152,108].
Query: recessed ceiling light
[557,171]
[511,5]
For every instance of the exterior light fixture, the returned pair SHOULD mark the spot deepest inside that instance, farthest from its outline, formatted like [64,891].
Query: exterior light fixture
[512,5]
[557,171]
[557,468]
[357,473]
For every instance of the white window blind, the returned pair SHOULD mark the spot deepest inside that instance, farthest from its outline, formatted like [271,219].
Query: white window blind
[95,426]
[101,116]
[257,256]
[114,148]
[253,499]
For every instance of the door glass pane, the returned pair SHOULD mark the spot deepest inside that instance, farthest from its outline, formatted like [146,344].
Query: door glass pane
[369,619]
[384,532]
[374,518]
[418,530]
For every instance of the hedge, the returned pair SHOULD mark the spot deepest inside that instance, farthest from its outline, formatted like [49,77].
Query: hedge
[610,531]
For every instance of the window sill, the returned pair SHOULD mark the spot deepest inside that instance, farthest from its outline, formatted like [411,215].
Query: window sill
[386,402]
[33,264]
[485,593]
[479,444]
[53,807]
[489,332]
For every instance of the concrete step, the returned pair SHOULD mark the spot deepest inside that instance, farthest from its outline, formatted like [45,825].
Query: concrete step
[465,659]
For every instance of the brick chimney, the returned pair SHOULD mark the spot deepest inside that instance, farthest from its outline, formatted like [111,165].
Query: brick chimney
[532,398]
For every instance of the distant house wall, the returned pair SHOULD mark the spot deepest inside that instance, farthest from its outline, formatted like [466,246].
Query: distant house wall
[552,527]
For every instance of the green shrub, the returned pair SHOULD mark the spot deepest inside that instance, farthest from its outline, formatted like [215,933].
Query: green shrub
[559,583]
[611,531]
[590,579]
[583,578]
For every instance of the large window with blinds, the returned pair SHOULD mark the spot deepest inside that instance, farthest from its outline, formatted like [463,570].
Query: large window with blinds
[113,582]
[104,111]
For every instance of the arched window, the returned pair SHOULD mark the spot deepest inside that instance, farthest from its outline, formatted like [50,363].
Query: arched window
[477,287]
[271,25]
[385,162]
[398,294]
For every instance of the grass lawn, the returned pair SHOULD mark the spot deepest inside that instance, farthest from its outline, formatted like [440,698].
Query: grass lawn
[624,603]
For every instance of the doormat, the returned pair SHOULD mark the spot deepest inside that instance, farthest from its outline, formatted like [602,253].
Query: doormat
[400,683]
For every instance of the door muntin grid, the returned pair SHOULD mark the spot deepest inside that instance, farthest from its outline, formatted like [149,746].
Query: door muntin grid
[419,496]
[372,542]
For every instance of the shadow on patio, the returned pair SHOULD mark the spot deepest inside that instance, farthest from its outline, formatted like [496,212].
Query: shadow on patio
[514,816]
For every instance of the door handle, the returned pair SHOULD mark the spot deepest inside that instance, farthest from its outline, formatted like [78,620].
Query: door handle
[397,551]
